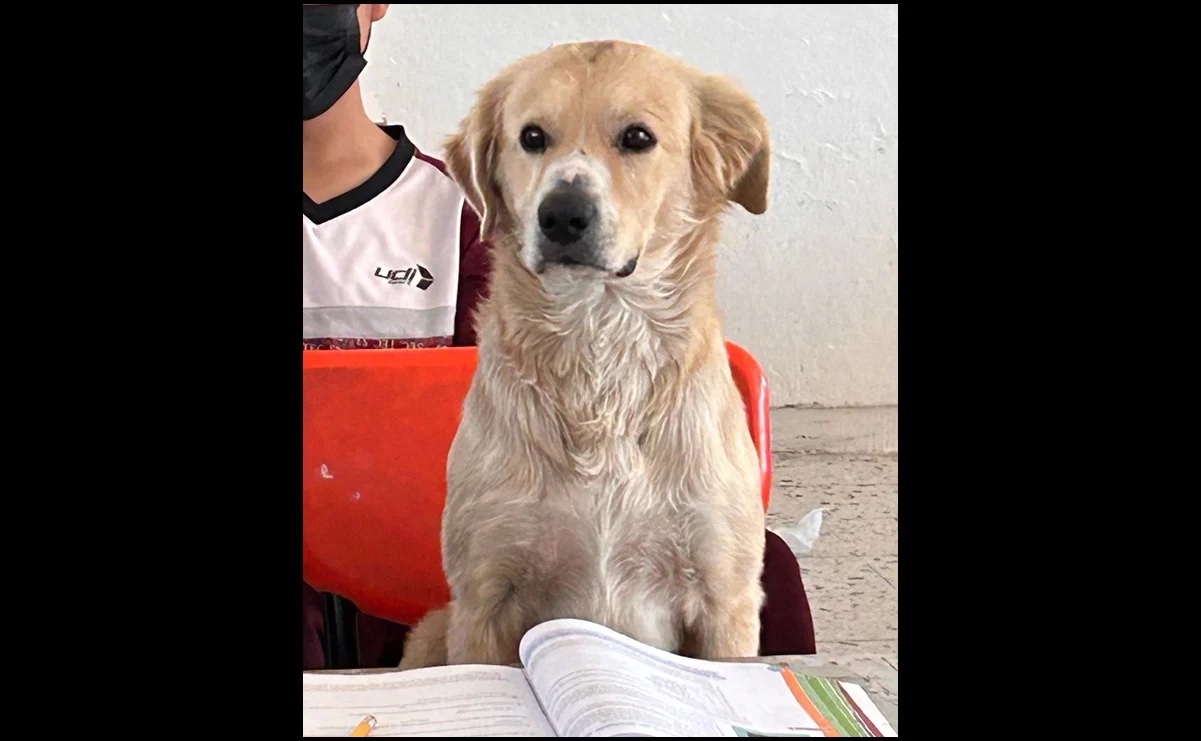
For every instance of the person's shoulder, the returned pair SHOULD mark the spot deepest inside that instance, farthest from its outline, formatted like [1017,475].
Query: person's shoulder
[469,224]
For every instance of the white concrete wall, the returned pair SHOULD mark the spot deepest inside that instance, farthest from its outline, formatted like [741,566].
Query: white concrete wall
[810,287]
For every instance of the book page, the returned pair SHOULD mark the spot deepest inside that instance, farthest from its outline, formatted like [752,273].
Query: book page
[595,682]
[458,701]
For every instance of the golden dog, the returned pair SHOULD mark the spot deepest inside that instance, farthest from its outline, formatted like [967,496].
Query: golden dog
[603,468]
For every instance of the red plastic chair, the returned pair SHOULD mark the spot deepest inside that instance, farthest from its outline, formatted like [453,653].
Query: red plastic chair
[378,425]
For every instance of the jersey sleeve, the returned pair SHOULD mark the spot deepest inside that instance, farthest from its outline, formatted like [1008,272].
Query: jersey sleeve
[474,263]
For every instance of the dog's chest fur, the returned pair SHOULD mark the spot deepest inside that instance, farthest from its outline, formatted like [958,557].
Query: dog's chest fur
[610,551]
[591,521]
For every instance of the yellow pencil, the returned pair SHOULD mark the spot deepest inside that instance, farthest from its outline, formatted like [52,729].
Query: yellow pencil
[364,727]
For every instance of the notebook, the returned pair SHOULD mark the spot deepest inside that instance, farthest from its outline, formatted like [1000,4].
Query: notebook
[581,679]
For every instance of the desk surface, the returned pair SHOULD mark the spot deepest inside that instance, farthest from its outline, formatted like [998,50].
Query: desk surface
[881,684]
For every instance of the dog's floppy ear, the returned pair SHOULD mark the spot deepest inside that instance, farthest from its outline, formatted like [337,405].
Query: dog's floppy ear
[731,148]
[471,155]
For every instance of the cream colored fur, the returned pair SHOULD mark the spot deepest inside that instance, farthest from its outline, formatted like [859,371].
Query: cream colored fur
[603,468]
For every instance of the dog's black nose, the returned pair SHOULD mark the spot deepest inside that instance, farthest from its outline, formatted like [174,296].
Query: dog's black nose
[565,215]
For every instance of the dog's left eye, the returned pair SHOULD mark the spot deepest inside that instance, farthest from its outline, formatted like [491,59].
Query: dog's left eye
[637,139]
[533,139]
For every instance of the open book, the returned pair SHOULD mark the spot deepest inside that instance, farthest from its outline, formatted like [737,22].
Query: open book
[581,679]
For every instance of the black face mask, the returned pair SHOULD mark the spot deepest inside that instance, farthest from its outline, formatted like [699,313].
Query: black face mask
[332,60]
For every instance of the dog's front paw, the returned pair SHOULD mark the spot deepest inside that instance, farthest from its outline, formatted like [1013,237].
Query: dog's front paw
[727,633]
[426,643]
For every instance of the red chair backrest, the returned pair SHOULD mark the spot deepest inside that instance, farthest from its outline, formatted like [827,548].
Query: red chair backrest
[378,425]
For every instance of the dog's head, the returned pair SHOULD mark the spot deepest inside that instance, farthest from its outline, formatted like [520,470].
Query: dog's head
[593,156]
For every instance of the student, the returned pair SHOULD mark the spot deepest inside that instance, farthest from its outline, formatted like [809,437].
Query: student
[392,256]
[393,259]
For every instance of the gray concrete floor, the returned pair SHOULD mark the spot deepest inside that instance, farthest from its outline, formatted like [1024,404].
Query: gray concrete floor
[845,461]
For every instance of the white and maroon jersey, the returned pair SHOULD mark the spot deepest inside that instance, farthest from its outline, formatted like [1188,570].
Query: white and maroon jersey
[395,262]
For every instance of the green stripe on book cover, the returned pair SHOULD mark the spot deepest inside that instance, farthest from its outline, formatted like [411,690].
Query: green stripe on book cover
[833,703]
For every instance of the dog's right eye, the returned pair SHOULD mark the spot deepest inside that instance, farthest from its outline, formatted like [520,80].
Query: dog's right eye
[533,139]
[637,139]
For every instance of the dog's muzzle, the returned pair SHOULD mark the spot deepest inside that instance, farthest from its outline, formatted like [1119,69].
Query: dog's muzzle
[567,221]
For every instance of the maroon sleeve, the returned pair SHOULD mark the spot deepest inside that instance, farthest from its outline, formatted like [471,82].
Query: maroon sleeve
[473,276]
[473,267]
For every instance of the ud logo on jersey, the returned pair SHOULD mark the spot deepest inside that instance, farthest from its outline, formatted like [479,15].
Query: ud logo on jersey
[405,277]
